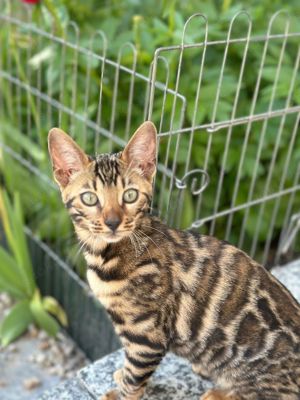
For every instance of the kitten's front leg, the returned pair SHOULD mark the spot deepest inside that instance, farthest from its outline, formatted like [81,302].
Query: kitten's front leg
[111,395]
[140,363]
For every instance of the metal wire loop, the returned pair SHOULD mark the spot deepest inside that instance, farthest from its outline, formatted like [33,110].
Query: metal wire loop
[182,183]
[101,100]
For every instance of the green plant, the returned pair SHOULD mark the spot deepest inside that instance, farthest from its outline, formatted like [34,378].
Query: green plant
[149,25]
[17,279]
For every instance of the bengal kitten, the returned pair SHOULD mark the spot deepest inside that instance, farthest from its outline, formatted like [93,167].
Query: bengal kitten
[172,290]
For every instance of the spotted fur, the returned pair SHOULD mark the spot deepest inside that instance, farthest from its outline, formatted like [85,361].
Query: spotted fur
[172,290]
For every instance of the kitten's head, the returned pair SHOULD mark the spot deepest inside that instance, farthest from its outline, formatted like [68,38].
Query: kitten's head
[107,196]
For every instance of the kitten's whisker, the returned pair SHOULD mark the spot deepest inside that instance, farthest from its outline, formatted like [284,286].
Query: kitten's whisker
[132,242]
[151,227]
[140,243]
[141,232]
[82,243]
[139,240]
[146,249]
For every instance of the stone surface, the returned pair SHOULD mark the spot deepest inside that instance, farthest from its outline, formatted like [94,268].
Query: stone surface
[17,371]
[289,275]
[27,371]
[68,390]
[173,380]
[35,362]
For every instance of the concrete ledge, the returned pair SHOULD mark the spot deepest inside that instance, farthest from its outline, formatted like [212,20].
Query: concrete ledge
[69,390]
[173,380]
[289,275]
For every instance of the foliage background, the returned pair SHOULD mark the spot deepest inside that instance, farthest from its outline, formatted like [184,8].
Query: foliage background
[148,24]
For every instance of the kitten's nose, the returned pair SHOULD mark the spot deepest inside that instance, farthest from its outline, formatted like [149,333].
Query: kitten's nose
[112,223]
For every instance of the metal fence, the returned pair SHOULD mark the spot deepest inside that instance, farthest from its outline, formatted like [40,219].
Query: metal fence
[228,145]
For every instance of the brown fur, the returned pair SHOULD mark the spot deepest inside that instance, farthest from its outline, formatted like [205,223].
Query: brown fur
[172,290]
[218,395]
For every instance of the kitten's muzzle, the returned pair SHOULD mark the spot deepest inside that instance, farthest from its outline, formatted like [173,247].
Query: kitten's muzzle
[112,223]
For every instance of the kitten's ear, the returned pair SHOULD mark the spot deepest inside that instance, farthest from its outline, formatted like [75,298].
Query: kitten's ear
[140,152]
[66,156]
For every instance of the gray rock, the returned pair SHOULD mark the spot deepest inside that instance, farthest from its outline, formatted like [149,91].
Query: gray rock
[69,390]
[289,275]
[173,379]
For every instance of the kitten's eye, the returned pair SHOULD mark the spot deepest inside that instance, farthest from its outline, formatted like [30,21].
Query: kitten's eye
[130,196]
[89,198]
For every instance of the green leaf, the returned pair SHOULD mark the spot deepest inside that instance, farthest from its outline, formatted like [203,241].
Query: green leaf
[5,218]
[52,306]
[13,227]
[18,138]
[41,317]
[22,242]
[55,223]
[15,322]
[37,196]
[9,276]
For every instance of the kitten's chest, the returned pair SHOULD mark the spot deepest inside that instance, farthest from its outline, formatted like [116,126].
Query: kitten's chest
[106,292]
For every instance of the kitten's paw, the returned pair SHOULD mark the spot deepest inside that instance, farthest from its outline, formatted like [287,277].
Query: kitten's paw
[111,395]
[199,370]
[218,395]
[118,376]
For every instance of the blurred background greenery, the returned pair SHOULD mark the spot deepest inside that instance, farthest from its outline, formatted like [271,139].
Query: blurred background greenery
[148,24]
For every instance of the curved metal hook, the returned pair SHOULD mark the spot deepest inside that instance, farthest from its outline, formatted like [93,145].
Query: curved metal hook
[132,47]
[103,38]
[236,16]
[181,183]
[273,19]
[71,25]
[196,15]
[165,88]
